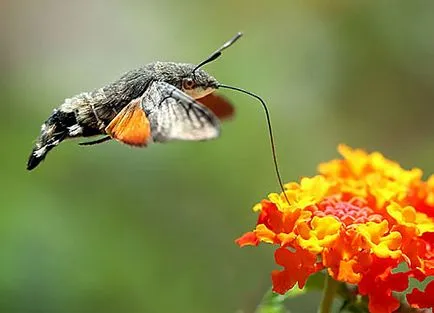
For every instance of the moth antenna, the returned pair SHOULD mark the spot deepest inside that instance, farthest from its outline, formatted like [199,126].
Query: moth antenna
[270,133]
[218,52]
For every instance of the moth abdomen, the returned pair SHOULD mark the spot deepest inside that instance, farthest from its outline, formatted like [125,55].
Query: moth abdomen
[55,129]
[74,118]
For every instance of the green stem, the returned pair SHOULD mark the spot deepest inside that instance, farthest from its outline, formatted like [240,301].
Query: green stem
[330,288]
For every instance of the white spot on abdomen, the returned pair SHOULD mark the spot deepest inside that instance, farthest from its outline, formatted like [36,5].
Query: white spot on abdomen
[40,152]
[75,130]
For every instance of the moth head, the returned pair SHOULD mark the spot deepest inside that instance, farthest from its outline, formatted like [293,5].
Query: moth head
[196,84]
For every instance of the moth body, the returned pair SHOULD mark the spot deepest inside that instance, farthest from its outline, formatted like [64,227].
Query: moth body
[154,103]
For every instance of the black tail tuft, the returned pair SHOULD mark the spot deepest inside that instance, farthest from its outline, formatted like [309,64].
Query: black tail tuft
[53,131]
[33,161]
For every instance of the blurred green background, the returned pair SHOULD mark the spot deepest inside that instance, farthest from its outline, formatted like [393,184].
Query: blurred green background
[109,228]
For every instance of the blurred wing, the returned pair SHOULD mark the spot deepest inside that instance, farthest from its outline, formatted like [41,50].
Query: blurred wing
[219,105]
[131,125]
[173,115]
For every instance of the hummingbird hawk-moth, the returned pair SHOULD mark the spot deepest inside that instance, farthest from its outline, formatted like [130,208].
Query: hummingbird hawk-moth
[158,102]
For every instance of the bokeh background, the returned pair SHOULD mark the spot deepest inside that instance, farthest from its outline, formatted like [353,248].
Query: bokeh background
[109,228]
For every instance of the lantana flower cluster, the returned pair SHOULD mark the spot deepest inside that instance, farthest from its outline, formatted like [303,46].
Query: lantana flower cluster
[359,218]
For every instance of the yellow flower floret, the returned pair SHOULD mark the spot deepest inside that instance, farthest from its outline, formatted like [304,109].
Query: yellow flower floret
[378,238]
[320,233]
[408,217]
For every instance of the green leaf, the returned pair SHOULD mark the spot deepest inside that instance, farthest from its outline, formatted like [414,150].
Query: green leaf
[272,303]
[315,282]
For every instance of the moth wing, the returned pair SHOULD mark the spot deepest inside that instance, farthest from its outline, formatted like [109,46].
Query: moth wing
[173,115]
[130,126]
[219,105]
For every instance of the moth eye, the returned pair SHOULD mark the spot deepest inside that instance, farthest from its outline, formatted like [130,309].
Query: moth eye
[188,83]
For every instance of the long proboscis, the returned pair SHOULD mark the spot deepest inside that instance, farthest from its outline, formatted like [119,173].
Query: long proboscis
[270,133]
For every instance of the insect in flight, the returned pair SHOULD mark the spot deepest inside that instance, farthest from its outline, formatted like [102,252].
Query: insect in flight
[158,102]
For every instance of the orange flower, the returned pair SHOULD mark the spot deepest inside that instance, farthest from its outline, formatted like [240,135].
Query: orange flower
[358,218]
[297,265]
[378,282]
